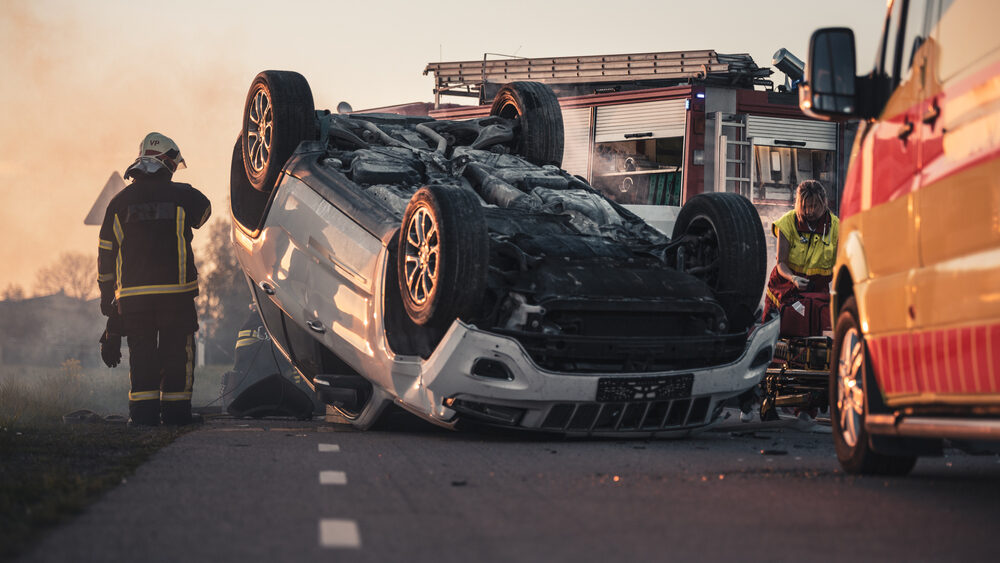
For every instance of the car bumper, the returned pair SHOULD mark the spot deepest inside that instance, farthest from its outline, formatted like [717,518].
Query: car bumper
[516,393]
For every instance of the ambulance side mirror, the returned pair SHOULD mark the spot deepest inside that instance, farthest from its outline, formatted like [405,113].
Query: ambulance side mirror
[830,90]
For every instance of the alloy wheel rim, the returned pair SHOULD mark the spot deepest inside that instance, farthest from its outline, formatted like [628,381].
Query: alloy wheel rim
[850,391]
[260,125]
[423,250]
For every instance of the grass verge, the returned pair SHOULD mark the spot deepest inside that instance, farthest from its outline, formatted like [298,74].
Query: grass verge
[51,471]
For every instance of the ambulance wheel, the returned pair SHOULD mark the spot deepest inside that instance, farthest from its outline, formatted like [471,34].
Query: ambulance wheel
[277,116]
[851,389]
[535,106]
[724,247]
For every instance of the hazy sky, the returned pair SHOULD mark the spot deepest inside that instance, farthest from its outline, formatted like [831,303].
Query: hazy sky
[83,82]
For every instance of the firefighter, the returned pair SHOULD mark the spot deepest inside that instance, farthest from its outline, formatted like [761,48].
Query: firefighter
[148,281]
[807,248]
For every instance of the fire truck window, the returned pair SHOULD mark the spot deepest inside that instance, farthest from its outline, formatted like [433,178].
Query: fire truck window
[804,161]
[641,172]
[779,170]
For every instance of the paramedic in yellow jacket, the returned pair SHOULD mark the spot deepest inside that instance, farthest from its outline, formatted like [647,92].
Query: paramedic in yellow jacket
[807,248]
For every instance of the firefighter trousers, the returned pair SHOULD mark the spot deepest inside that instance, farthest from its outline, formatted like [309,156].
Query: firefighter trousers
[161,368]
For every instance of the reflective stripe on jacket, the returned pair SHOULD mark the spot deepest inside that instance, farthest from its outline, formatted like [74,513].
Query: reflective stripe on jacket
[144,248]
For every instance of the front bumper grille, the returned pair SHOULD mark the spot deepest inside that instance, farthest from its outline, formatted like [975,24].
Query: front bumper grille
[589,354]
[639,416]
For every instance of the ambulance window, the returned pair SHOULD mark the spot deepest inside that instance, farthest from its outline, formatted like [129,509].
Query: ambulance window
[889,55]
[935,11]
[915,32]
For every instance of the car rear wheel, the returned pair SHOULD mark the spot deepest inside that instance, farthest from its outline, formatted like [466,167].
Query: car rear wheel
[540,139]
[443,255]
[277,116]
[726,250]
[849,396]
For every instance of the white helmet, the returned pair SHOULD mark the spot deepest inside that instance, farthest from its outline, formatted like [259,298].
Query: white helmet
[156,152]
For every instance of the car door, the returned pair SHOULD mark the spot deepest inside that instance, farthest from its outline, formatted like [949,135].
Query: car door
[889,175]
[956,299]
[321,272]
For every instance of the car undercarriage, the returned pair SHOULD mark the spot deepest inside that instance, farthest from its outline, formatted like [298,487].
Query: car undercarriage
[479,226]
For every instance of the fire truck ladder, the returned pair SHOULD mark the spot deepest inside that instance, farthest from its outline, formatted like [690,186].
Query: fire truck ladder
[471,78]
[733,161]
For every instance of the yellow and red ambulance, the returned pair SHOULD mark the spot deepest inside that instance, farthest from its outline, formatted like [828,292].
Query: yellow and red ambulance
[916,287]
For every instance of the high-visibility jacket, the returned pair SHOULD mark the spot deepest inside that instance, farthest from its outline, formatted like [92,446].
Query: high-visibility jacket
[144,251]
[810,253]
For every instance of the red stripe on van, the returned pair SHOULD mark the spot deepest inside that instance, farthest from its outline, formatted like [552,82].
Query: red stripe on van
[992,351]
[979,344]
[965,360]
[955,360]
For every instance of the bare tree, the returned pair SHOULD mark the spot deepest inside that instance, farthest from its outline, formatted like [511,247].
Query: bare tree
[223,299]
[13,292]
[73,273]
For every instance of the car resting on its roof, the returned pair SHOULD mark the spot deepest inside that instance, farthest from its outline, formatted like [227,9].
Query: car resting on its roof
[452,268]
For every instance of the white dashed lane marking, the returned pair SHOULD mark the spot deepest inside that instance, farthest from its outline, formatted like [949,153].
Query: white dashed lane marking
[339,533]
[332,478]
[336,532]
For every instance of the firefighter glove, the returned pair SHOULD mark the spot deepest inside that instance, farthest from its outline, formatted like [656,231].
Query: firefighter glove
[111,349]
[111,342]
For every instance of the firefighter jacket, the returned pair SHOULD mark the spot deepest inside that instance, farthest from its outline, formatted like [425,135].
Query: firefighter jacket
[145,252]
[809,253]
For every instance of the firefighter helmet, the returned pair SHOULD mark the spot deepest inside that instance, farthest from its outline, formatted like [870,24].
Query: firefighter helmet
[155,152]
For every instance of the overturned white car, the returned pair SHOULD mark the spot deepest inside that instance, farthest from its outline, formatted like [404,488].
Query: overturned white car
[452,268]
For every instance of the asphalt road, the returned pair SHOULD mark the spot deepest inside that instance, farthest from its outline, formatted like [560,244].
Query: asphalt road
[280,490]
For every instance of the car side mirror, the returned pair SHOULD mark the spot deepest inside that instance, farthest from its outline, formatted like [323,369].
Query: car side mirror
[830,91]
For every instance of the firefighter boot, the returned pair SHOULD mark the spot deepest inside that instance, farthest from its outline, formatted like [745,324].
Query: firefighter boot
[143,413]
[178,413]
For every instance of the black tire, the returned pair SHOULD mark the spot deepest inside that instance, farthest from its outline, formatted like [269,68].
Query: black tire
[540,137]
[246,203]
[730,254]
[849,403]
[443,255]
[277,116]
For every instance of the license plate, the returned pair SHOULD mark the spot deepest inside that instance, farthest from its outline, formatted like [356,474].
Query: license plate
[625,389]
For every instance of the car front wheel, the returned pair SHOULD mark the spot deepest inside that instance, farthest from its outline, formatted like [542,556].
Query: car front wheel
[443,255]
[850,387]
[725,248]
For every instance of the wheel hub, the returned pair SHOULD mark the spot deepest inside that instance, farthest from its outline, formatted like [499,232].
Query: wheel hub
[259,126]
[421,260]
[850,388]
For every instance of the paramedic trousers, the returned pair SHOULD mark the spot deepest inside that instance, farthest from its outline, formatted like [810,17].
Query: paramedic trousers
[161,364]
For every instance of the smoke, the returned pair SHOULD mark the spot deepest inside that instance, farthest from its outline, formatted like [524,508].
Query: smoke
[78,99]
